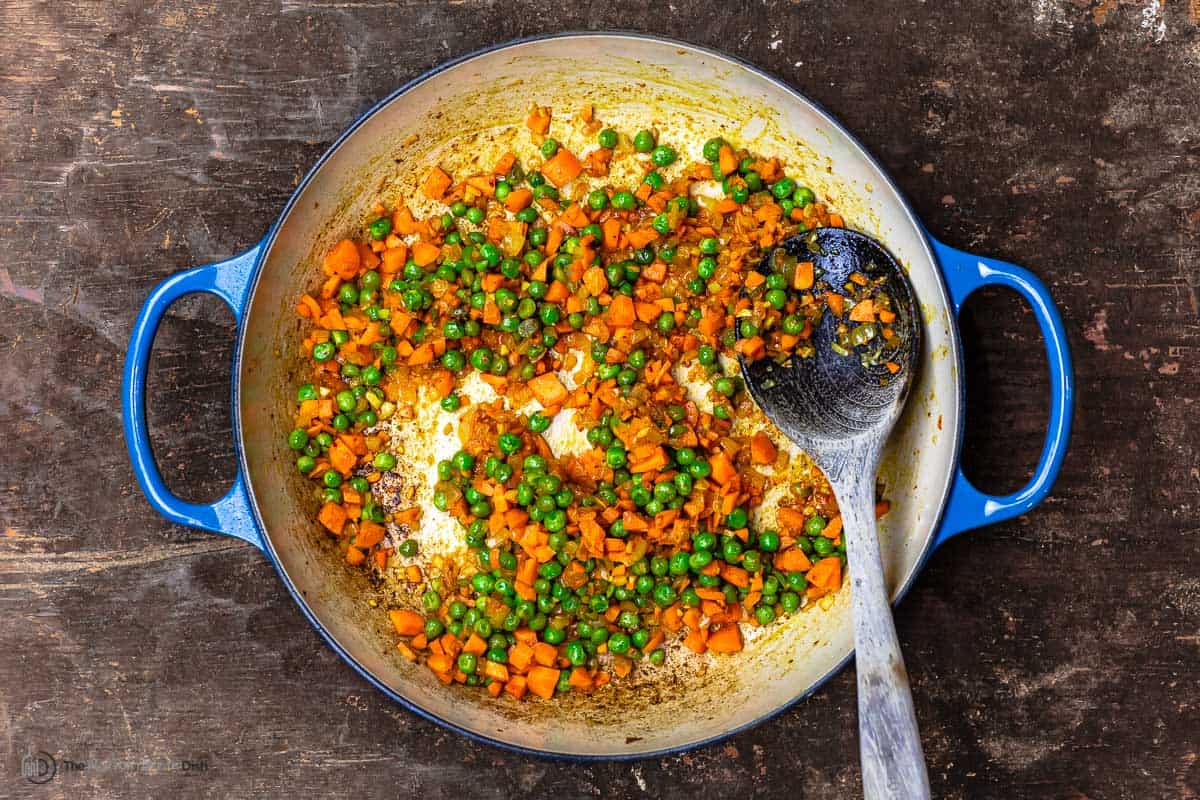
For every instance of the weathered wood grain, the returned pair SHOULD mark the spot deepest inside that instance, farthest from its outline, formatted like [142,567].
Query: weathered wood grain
[1057,656]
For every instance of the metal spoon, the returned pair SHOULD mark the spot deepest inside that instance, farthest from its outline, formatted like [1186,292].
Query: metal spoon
[840,412]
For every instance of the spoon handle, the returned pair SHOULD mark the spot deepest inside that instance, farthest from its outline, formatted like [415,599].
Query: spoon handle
[893,765]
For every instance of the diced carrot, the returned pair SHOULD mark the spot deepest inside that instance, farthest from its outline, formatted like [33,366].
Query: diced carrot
[726,159]
[369,535]
[804,276]
[881,508]
[642,237]
[495,671]
[545,654]
[595,281]
[575,216]
[762,449]
[543,681]
[557,292]
[723,471]
[562,168]
[735,575]
[406,622]
[424,253]
[826,574]
[343,260]
[354,556]
[520,656]
[695,641]
[436,184]
[726,205]
[621,312]
[504,163]
[725,639]
[518,199]
[792,560]
[612,233]
[440,663]
[580,679]
[836,303]
[791,519]
[516,686]
[538,120]
[333,517]
[863,311]
[443,383]
[548,389]
[833,529]
[342,458]
[475,645]
[421,355]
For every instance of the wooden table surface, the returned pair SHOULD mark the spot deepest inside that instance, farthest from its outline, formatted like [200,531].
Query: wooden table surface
[1054,656]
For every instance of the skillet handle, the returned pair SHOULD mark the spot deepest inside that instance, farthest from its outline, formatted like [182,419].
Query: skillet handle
[230,515]
[968,507]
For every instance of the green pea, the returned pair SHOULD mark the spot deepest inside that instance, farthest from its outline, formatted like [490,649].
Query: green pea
[666,322]
[752,561]
[663,155]
[451,402]
[777,298]
[712,149]
[664,594]
[332,479]
[643,141]
[823,546]
[323,351]
[454,360]
[306,464]
[710,245]
[783,188]
[737,519]
[618,643]
[297,439]
[803,196]
[814,525]
[597,199]
[607,138]
[463,461]
[380,228]
[768,541]
[624,201]
[475,215]
[384,461]
[765,614]
[408,549]
[615,457]
[467,663]
[731,548]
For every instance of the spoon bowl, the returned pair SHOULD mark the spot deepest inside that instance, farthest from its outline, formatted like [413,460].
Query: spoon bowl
[829,398]
[839,404]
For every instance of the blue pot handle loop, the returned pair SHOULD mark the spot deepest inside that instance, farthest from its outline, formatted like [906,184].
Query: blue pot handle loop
[231,515]
[968,507]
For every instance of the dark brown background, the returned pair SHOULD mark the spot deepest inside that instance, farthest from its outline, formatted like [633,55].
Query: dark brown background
[1053,656]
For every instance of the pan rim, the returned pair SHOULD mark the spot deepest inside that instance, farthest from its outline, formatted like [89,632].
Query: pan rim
[265,251]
